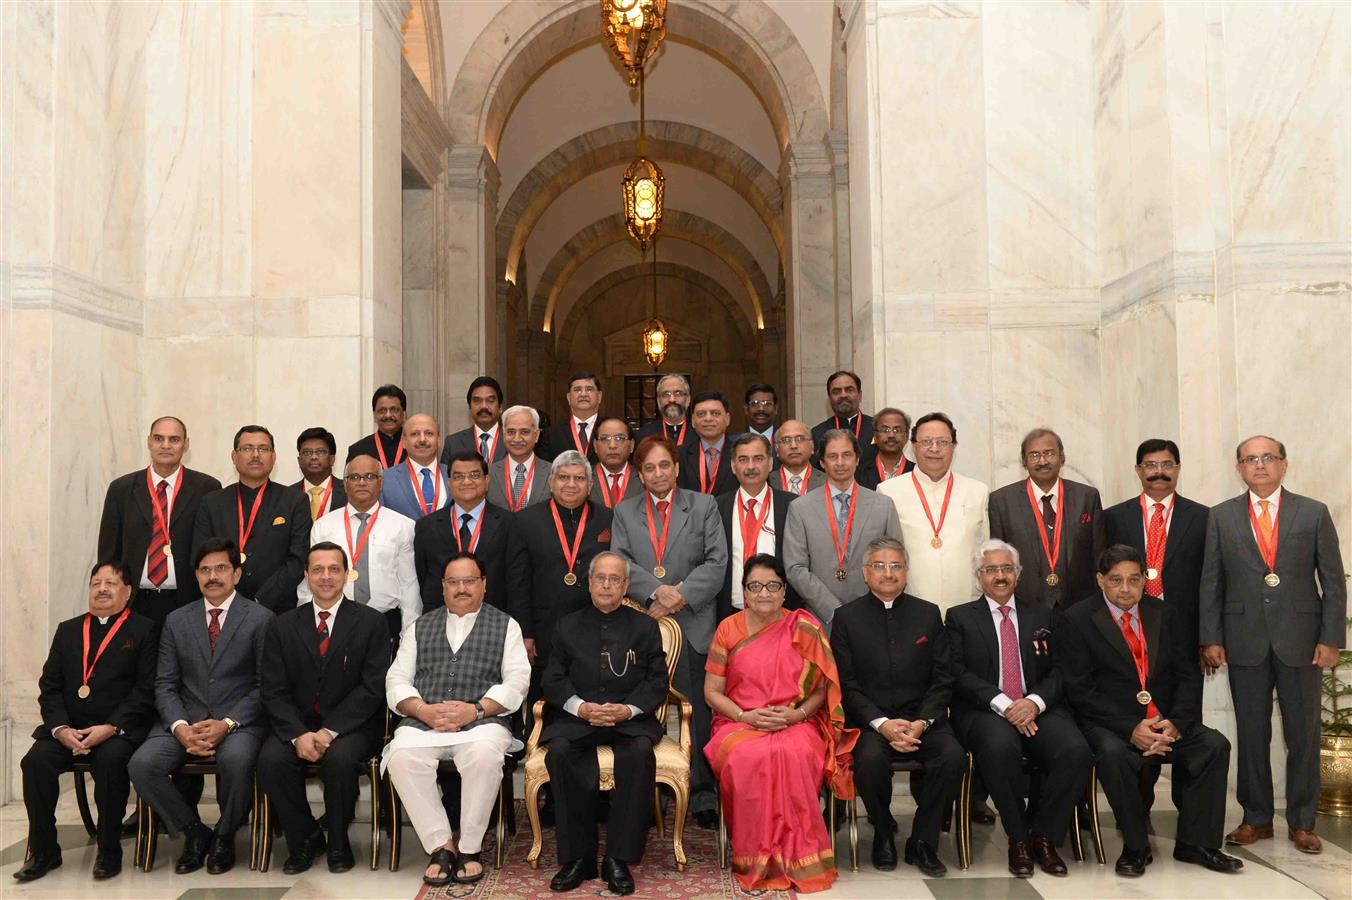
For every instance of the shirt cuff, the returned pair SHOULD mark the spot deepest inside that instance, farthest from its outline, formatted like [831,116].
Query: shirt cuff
[877,724]
[174,727]
[1041,706]
[332,733]
[58,728]
[1000,703]
[634,711]
[572,705]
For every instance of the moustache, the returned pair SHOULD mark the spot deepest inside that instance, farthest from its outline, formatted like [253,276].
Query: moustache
[1159,478]
[1002,582]
[215,583]
[103,595]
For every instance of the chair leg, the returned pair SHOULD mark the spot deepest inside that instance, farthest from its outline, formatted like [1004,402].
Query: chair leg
[395,815]
[374,775]
[265,835]
[964,816]
[500,830]
[678,836]
[659,821]
[1076,841]
[722,835]
[82,800]
[533,814]
[151,829]
[1094,817]
[854,834]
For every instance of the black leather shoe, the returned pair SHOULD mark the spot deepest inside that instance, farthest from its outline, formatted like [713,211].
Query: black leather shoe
[196,840]
[107,865]
[1214,860]
[1044,851]
[707,819]
[341,858]
[571,875]
[38,866]
[884,851]
[304,856]
[221,856]
[1132,863]
[617,876]
[982,814]
[925,858]
[1020,859]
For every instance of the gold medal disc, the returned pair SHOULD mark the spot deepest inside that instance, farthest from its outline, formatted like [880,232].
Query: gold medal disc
[243,557]
[840,574]
[659,571]
[1271,579]
[1152,574]
[83,692]
[936,542]
[570,579]
[168,550]
[353,574]
[1143,698]
[1053,579]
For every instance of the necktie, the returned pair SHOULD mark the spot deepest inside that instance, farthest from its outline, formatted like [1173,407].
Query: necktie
[428,491]
[1011,678]
[1265,521]
[465,535]
[662,507]
[519,481]
[483,445]
[157,564]
[615,488]
[361,589]
[582,435]
[322,632]
[750,533]
[214,628]
[843,500]
[1048,512]
[796,483]
[1138,655]
[316,502]
[1154,551]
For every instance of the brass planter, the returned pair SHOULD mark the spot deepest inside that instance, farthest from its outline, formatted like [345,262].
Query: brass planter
[1335,776]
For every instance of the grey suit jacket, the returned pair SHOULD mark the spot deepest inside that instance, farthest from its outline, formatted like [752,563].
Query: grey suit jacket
[192,683]
[1241,612]
[696,554]
[398,494]
[464,440]
[539,483]
[809,553]
[815,479]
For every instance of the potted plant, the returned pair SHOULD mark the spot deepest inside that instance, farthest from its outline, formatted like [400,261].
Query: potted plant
[1335,750]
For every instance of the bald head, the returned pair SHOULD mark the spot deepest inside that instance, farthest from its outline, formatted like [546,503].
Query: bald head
[422,438]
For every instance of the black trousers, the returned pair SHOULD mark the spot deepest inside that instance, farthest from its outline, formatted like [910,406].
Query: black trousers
[281,775]
[944,761]
[1058,749]
[1201,761]
[574,775]
[42,767]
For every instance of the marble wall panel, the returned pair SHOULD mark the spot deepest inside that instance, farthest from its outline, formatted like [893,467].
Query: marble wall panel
[123,256]
[1140,392]
[1203,402]
[1187,74]
[417,227]
[304,388]
[79,162]
[27,86]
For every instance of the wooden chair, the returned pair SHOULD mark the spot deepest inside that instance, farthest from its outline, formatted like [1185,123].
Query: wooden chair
[914,765]
[262,829]
[964,818]
[673,757]
[147,824]
[1094,831]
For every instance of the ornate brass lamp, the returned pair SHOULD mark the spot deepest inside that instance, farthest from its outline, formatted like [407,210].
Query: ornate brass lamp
[644,189]
[634,29]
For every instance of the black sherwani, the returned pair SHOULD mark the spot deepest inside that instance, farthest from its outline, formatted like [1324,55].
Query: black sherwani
[603,658]
[367,447]
[277,544]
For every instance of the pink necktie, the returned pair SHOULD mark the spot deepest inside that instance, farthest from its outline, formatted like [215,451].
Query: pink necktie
[1011,679]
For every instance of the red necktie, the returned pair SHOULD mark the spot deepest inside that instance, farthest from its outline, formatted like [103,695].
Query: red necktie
[157,568]
[214,628]
[1011,677]
[1138,656]
[322,631]
[662,507]
[1154,552]
[615,488]
[750,533]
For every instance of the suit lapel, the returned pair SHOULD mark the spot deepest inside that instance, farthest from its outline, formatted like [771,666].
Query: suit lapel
[985,624]
[306,632]
[199,630]
[1244,529]
[340,629]
[1179,524]
[1288,516]
[1150,625]
[680,514]
[1028,624]
[229,627]
[142,496]
[1107,626]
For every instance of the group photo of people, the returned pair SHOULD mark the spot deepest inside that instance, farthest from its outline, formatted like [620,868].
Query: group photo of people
[848,619]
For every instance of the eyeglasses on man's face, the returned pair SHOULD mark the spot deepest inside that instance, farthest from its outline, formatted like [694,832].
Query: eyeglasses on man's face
[1005,569]
[359,477]
[1154,466]
[607,580]
[892,568]
[1266,459]
[457,583]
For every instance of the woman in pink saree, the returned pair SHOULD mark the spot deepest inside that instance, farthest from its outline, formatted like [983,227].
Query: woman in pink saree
[778,735]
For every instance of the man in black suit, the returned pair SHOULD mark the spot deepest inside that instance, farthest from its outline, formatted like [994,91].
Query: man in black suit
[762,408]
[148,519]
[389,407]
[97,698]
[614,479]
[316,450]
[893,655]
[744,512]
[483,436]
[468,524]
[673,402]
[610,704]
[887,457]
[578,431]
[544,548]
[844,391]
[267,521]
[1056,524]
[1131,682]
[706,463]
[323,686]
[1008,704]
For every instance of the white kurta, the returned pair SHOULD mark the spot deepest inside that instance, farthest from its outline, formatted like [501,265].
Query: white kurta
[944,575]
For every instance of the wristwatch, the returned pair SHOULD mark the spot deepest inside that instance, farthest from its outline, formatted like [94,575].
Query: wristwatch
[928,724]
[479,710]
[230,725]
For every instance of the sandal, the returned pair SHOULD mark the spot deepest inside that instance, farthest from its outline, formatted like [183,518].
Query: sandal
[476,858]
[446,861]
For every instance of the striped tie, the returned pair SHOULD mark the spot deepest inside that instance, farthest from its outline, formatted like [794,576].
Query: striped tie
[157,564]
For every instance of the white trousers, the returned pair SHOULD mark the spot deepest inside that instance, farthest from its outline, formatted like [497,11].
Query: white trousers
[414,773]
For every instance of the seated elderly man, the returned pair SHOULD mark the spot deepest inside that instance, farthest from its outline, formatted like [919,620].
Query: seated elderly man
[461,671]
[606,676]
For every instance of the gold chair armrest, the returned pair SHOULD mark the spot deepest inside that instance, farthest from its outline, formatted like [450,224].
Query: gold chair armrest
[538,714]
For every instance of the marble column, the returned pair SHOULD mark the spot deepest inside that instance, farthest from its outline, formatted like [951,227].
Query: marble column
[469,313]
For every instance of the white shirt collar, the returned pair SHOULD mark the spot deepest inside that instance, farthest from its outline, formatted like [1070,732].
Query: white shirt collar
[1274,501]
[805,474]
[667,497]
[995,607]
[171,479]
[352,510]
[332,610]
[474,513]
[591,420]
[224,607]
[1168,501]
[743,496]
[309,484]
[608,473]
[479,433]
[1039,493]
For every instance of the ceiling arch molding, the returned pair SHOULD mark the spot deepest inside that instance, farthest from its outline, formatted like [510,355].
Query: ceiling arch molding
[664,270]
[669,142]
[527,35]
[676,224]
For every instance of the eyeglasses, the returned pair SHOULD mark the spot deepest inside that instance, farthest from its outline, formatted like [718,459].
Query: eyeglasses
[673,395]
[513,433]
[218,569]
[1153,466]
[313,454]
[1048,455]
[462,582]
[615,439]
[251,449]
[358,477]
[792,439]
[607,580]
[760,404]
[755,587]
[881,567]
[937,443]
[996,570]
[1266,459]
[467,476]
[890,429]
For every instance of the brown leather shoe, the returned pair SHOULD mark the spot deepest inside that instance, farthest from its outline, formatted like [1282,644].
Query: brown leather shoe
[1020,859]
[1305,841]
[1044,851]
[1246,834]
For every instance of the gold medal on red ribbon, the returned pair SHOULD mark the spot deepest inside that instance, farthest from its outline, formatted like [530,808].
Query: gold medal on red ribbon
[87,667]
[569,579]
[168,550]
[353,574]
[840,575]
[1053,579]
[1152,574]
[1051,550]
[1271,579]
[659,571]
[623,486]
[659,548]
[1269,554]
[354,555]
[936,542]
[569,557]
[83,692]
[244,531]
[160,521]
[841,542]
[1144,698]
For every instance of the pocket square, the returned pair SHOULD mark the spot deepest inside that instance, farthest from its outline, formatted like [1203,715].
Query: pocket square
[923,639]
[280,520]
[1086,519]
[603,537]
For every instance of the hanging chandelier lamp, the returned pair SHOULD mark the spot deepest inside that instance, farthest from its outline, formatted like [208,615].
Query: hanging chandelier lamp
[634,29]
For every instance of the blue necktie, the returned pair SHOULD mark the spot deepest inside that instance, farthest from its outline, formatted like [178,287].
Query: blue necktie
[427,490]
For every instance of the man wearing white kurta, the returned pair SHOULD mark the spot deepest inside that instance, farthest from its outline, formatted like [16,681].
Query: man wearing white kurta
[940,574]
[460,672]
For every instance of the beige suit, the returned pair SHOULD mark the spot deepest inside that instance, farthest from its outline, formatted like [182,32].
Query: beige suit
[942,576]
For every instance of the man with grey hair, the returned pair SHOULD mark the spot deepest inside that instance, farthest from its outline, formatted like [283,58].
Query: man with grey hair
[1008,704]
[673,403]
[893,655]
[519,480]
